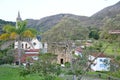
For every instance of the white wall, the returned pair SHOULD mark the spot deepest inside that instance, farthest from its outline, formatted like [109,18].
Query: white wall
[100,65]
[34,44]
[38,44]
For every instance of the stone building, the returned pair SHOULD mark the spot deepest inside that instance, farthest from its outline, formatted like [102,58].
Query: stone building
[62,50]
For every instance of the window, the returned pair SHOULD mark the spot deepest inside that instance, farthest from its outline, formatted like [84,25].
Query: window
[22,45]
[102,65]
[34,43]
[105,60]
[101,60]
[43,45]
[26,45]
[35,57]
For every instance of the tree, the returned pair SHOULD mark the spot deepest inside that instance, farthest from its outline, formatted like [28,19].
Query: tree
[6,56]
[46,66]
[18,34]
[110,24]
[94,34]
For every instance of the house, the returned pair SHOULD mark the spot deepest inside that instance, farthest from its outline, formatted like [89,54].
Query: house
[62,51]
[30,56]
[30,50]
[114,32]
[78,51]
[101,63]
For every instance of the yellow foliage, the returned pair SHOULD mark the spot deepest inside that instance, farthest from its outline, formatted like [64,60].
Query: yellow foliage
[13,35]
[28,33]
[4,36]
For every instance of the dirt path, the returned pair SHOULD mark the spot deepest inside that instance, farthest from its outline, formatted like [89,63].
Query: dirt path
[91,78]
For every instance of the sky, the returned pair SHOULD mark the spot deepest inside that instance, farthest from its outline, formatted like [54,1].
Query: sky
[37,9]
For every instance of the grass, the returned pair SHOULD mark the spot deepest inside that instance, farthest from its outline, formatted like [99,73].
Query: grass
[105,75]
[96,74]
[112,49]
[8,72]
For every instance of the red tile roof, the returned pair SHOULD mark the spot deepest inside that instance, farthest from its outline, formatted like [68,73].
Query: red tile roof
[32,50]
[96,54]
[78,49]
[114,31]
[26,56]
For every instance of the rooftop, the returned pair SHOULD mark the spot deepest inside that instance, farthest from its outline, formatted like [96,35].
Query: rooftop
[114,32]
[98,54]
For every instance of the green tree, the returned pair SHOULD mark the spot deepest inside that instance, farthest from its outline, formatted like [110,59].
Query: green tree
[94,34]
[110,24]
[18,34]
[78,65]
[46,66]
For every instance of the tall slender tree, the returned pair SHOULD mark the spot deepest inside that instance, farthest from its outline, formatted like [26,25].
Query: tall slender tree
[20,33]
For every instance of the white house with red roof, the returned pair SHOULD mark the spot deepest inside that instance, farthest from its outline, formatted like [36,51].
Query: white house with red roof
[101,63]
[31,49]
[78,51]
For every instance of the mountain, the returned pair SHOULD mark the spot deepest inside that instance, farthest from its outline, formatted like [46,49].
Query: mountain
[67,29]
[47,23]
[96,20]
[71,27]
[110,12]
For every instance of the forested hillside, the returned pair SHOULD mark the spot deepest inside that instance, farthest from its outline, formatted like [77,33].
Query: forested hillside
[66,29]
[47,23]
[2,23]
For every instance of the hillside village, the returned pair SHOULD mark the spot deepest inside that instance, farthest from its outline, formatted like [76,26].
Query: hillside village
[64,45]
[32,48]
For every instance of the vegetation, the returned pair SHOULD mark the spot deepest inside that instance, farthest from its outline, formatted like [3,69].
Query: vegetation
[94,33]
[67,29]
[46,67]
[6,56]
[8,72]
[3,23]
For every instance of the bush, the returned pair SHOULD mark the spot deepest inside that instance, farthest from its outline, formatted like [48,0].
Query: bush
[67,64]
[116,74]
[24,72]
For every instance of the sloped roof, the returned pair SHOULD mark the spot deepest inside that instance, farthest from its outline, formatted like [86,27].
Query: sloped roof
[25,56]
[100,55]
[32,50]
[114,32]
[78,49]
[38,37]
